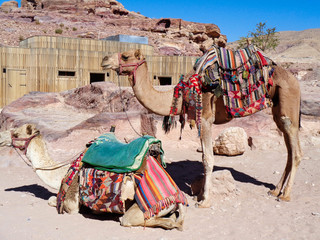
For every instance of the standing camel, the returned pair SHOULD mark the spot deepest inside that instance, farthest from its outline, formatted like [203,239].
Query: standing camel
[285,95]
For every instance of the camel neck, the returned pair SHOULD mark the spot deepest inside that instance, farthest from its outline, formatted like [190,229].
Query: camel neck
[38,155]
[155,101]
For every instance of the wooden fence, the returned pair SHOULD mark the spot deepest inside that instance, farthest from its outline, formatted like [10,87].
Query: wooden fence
[55,64]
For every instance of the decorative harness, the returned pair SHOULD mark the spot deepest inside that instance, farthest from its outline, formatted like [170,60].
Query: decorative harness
[25,147]
[135,65]
[26,140]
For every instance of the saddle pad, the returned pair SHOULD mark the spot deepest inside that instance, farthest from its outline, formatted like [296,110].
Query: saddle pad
[66,182]
[243,76]
[108,154]
[101,190]
[156,190]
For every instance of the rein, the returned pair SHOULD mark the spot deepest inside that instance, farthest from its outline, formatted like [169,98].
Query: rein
[135,65]
[28,162]
[26,140]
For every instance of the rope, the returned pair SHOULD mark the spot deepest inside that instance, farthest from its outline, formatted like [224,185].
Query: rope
[46,168]
[124,109]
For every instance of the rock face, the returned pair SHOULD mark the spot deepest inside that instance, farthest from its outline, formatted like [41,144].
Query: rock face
[9,6]
[100,19]
[94,106]
[231,142]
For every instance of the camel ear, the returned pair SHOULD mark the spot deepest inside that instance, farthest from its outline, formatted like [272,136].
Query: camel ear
[138,54]
[29,129]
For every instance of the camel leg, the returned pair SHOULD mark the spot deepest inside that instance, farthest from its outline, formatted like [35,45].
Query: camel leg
[207,148]
[208,163]
[134,217]
[286,116]
[294,157]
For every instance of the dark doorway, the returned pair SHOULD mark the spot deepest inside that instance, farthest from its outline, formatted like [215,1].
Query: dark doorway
[165,80]
[97,77]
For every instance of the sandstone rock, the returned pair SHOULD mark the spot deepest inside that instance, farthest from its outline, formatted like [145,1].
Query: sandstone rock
[93,107]
[9,6]
[231,142]
[223,184]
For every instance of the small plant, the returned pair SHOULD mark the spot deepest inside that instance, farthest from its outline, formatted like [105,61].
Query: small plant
[61,25]
[67,28]
[44,31]
[37,22]
[21,38]
[74,29]
[59,31]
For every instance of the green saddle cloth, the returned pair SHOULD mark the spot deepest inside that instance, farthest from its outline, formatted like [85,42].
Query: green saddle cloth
[108,154]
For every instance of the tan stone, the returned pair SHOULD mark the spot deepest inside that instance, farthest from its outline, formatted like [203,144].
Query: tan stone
[231,142]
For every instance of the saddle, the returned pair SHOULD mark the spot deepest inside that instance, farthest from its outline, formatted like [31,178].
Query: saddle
[109,154]
[107,164]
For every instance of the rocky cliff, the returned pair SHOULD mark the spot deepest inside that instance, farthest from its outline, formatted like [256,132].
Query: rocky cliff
[100,19]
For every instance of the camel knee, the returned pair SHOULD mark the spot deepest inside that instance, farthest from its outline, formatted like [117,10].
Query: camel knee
[286,122]
[125,222]
[52,201]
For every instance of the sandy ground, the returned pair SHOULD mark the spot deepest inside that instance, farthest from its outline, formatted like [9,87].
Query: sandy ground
[248,213]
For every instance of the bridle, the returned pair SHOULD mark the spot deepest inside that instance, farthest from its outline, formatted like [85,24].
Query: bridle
[135,65]
[26,140]
[25,147]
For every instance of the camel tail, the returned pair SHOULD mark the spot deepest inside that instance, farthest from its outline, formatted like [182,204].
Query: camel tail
[300,114]
[168,123]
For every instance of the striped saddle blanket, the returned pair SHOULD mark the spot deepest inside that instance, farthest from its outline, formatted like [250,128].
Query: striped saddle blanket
[243,77]
[156,190]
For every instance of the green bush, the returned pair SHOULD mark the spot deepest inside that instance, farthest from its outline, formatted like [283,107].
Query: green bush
[59,31]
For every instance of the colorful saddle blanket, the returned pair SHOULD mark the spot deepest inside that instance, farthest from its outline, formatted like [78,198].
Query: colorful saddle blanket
[101,190]
[108,154]
[244,77]
[156,189]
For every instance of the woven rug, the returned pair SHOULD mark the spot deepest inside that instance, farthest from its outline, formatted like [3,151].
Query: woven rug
[101,190]
[243,77]
[156,189]
[66,182]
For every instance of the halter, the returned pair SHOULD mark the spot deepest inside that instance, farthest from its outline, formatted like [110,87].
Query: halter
[135,65]
[28,162]
[26,140]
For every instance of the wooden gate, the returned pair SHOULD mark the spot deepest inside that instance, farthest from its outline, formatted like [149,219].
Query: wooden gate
[16,84]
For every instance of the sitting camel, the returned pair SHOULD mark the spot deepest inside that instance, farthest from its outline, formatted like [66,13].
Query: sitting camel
[284,94]
[28,139]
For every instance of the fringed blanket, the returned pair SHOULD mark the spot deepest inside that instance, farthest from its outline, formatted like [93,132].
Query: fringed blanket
[156,190]
[101,190]
[66,182]
[244,77]
[190,90]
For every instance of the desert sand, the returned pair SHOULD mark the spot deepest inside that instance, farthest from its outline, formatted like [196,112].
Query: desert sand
[245,212]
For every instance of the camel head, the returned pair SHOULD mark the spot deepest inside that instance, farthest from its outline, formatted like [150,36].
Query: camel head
[124,63]
[20,135]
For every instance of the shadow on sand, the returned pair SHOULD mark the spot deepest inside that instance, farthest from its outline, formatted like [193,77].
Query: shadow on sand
[35,189]
[185,172]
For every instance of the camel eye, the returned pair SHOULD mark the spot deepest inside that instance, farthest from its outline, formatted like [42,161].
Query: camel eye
[124,57]
[15,135]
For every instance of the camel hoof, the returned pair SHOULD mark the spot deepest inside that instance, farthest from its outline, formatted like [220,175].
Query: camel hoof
[203,204]
[273,193]
[283,198]
[180,226]
[52,201]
